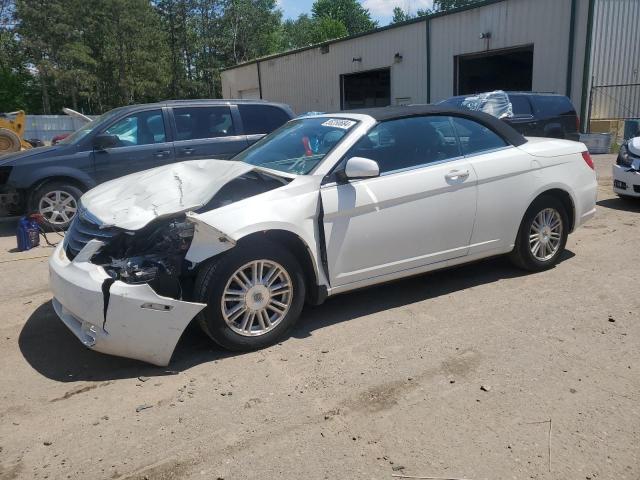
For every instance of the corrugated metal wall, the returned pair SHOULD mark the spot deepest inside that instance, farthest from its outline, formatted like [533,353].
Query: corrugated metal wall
[240,82]
[542,23]
[309,80]
[616,59]
[45,127]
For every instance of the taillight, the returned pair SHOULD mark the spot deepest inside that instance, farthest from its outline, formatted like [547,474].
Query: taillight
[588,160]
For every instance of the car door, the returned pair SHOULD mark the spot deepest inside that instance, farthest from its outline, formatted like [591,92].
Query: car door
[506,175]
[207,132]
[259,120]
[142,144]
[420,210]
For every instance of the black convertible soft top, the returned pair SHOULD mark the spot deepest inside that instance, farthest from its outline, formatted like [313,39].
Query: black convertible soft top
[382,114]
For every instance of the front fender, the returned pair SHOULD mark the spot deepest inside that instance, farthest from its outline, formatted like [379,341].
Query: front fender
[218,230]
[27,179]
[57,163]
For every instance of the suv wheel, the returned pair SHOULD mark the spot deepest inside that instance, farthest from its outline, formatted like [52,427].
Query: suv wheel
[57,203]
[254,295]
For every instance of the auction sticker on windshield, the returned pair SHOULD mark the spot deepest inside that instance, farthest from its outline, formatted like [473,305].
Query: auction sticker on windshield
[339,123]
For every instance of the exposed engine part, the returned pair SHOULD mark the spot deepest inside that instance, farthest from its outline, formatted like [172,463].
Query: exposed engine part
[156,253]
[153,255]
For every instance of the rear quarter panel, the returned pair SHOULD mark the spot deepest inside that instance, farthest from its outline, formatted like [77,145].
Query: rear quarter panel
[570,173]
[506,179]
[562,165]
[510,180]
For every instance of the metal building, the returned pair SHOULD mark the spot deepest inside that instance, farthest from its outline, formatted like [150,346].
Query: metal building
[536,45]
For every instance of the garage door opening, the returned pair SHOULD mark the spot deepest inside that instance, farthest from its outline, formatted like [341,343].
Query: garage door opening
[366,89]
[510,69]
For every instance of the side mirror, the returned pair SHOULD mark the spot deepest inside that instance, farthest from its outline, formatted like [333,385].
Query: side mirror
[360,167]
[104,141]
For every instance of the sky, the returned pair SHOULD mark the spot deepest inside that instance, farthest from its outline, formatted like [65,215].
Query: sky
[381,10]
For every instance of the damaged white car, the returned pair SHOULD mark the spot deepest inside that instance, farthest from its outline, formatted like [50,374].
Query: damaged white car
[626,171]
[324,205]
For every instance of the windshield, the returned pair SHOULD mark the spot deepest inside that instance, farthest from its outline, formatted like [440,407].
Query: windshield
[82,132]
[298,146]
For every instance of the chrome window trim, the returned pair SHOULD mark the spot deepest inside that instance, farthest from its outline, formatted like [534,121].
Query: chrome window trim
[421,166]
[491,150]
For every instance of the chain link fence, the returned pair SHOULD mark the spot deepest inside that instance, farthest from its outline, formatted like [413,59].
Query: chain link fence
[615,102]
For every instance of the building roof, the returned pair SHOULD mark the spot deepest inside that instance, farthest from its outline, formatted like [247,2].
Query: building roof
[478,4]
[382,114]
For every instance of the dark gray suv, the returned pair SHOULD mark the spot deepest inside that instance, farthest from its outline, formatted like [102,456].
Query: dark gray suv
[537,114]
[50,180]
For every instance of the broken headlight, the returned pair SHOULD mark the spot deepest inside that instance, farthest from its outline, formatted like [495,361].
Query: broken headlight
[628,159]
[153,255]
[624,159]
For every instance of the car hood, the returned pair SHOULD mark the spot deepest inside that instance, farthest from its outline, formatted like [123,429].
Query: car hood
[17,157]
[131,202]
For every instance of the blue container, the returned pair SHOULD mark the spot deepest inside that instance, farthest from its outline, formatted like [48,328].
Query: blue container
[28,234]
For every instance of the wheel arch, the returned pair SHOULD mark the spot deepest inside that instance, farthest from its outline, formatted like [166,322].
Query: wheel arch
[565,198]
[316,290]
[76,182]
[316,293]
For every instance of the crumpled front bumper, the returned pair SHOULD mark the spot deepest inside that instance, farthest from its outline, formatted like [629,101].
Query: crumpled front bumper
[630,179]
[125,320]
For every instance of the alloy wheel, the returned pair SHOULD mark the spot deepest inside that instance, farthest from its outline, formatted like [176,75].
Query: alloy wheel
[545,234]
[58,207]
[256,298]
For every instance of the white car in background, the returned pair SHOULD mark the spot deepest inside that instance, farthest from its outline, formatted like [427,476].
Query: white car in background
[626,171]
[324,205]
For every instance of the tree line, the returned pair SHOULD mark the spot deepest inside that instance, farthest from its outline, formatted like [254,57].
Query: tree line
[94,55]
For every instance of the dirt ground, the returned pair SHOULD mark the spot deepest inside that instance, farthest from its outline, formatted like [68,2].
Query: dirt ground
[479,372]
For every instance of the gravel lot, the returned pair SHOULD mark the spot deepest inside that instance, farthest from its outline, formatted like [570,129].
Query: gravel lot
[480,372]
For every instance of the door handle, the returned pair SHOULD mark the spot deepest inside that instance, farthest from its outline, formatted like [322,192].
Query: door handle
[454,175]
[161,153]
[187,150]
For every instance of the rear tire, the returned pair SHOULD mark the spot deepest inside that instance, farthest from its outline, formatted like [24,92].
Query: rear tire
[542,236]
[57,203]
[246,308]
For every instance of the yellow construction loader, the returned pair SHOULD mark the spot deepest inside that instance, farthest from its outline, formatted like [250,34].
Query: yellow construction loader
[12,126]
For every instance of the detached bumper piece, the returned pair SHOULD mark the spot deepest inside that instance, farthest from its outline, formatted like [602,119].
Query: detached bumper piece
[114,317]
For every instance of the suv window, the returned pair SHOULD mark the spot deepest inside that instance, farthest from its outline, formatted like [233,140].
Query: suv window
[553,105]
[259,119]
[142,128]
[520,104]
[203,122]
[476,138]
[408,142]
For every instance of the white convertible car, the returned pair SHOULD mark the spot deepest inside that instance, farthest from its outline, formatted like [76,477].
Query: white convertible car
[324,205]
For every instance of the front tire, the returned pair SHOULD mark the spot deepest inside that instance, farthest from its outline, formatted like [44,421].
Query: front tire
[254,296]
[57,203]
[542,236]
